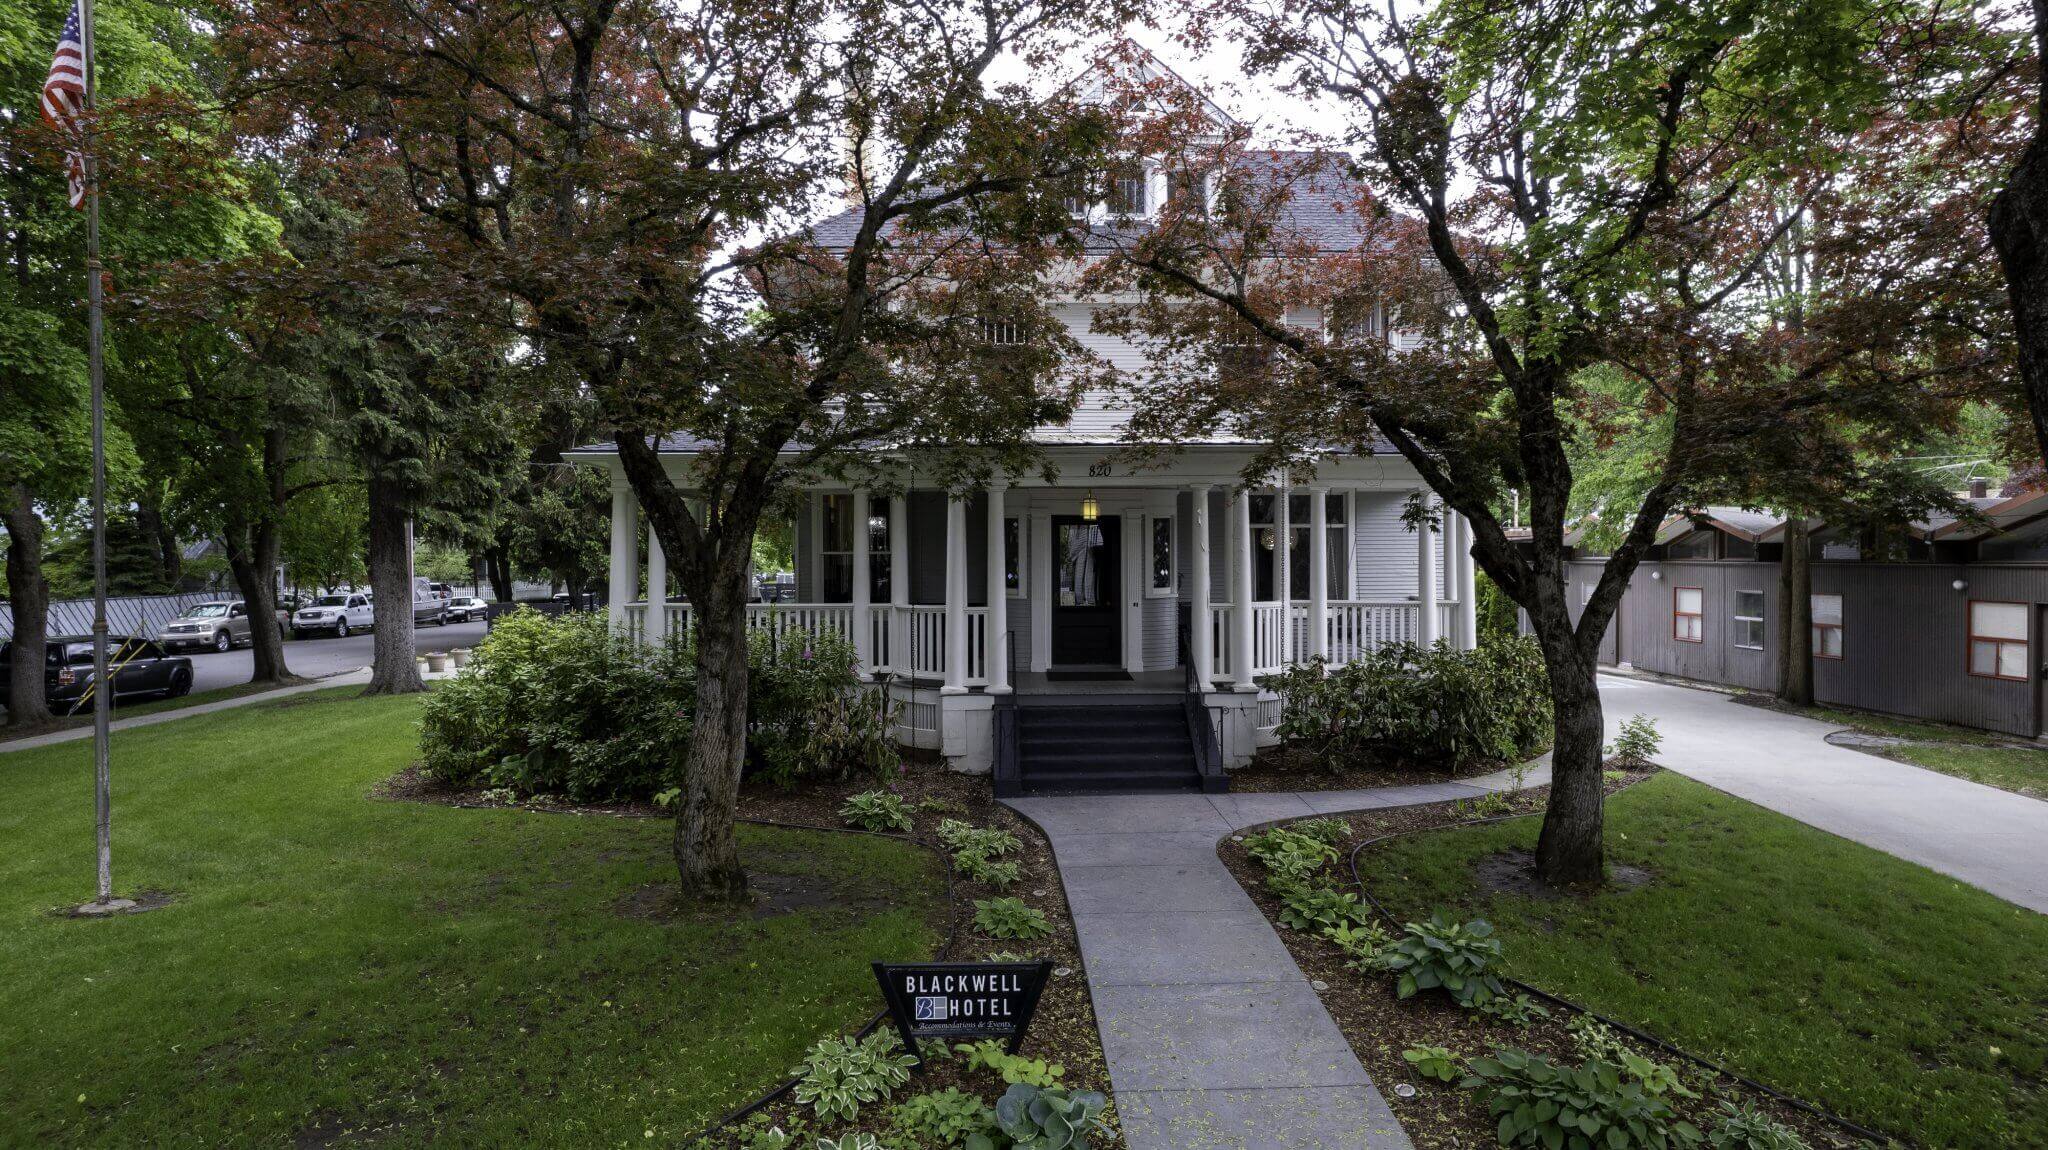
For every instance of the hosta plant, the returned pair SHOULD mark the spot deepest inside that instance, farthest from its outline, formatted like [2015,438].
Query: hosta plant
[1288,854]
[1744,1127]
[982,869]
[1360,942]
[1432,1062]
[965,837]
[1046,1118]
[1594,1106]
[877,811]
[853,1141]
[1010,918]
[1445,954]
[840,1075]
[1316,909]
[1520,1010]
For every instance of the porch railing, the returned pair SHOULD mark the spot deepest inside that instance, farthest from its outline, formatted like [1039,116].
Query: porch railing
[912,640]
[902,640]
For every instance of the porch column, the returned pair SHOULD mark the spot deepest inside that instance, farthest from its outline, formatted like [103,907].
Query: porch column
[1426,543]
[625,564]
[863,631]
[1241,619]
[899,555]
[1201,632]
[1283,567]
[1467,589]
[956,594]
[998,595]
[1318,573]
[657,591]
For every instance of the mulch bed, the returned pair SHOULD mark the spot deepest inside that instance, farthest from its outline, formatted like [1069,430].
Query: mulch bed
[1379,1026]
[1063,1028]
[1286,768]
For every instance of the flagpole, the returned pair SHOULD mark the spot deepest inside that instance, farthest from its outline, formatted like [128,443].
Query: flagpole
[102,695]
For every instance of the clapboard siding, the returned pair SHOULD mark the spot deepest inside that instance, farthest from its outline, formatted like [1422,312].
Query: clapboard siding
[1905,634]
[1383,550]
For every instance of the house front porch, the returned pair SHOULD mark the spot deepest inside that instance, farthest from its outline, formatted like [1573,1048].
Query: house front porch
[1152,584]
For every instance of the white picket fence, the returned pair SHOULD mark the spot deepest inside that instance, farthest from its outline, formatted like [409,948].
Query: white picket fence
[127,615]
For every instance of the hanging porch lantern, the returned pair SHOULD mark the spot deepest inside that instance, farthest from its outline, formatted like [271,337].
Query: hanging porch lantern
[1089,508]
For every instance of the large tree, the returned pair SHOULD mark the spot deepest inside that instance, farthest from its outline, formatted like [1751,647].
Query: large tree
[158,185]
[1547,190]
[634,177]
[2018,219]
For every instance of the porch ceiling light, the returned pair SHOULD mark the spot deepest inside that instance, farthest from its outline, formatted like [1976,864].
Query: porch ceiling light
[1089,508]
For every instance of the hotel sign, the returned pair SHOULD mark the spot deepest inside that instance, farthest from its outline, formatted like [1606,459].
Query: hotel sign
[961,1000]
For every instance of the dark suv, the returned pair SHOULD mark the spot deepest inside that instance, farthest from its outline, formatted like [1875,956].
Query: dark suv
[139,666]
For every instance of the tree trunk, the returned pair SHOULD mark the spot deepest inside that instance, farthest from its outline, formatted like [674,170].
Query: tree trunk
[256,578]
[2019,230]
[1570,849]
[498,566]
[170,558]
[28,594]
[707,853]
[1795,615]
[392,670]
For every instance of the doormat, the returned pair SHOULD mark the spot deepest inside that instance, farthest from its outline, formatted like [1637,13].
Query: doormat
[1109,676]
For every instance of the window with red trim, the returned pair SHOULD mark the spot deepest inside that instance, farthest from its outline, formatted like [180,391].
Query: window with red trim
[1998,640]
[1686,611]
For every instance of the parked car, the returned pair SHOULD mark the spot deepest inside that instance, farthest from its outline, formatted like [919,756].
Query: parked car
[336,614]
[139,667]
[467,610]
[218,626]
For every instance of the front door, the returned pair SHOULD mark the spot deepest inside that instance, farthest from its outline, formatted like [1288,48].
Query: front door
[1087,621]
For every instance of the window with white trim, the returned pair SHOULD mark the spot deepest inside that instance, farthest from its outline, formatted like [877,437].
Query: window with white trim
[1129,192]
[835,548]
[1159,579]
[1998,640]
[1827,626]
[1747,620]
[1013,556]
[1688,610]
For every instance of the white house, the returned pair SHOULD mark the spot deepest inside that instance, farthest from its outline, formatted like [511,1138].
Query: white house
[1110,628]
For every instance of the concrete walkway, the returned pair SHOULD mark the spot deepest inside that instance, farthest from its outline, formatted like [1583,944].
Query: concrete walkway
[1214,1037]
[355,678]
[1986,837]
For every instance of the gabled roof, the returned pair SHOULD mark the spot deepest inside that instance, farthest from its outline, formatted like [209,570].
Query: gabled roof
[2000,513]
[1743,523]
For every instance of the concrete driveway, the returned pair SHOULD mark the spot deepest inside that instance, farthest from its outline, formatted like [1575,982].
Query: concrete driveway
[1986,837]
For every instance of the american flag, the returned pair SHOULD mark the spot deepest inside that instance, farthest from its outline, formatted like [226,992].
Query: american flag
[64,97]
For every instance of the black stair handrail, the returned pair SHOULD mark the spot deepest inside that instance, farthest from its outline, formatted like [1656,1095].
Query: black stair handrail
[1008,768]
[1201,731]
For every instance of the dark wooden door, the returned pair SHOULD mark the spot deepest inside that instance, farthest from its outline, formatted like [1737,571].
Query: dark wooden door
[1087,621]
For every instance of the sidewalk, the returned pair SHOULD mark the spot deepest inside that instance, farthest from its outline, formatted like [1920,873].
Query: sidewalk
[1986,837]
[1214,1037]
[355,678]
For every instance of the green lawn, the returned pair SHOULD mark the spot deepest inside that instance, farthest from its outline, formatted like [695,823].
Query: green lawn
[1893,995]
[1978,756]
[430,976]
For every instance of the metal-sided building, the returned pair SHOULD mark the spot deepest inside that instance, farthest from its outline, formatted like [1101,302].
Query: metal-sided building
[1942,620]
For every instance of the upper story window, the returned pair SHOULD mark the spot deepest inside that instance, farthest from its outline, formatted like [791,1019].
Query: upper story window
[1240,351]
[1697,545]
[1188,191]
[1129,192]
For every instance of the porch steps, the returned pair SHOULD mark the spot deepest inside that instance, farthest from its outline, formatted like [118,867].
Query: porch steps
[1104,744]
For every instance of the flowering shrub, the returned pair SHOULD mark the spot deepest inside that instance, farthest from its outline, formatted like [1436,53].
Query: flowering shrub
[1433,707]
